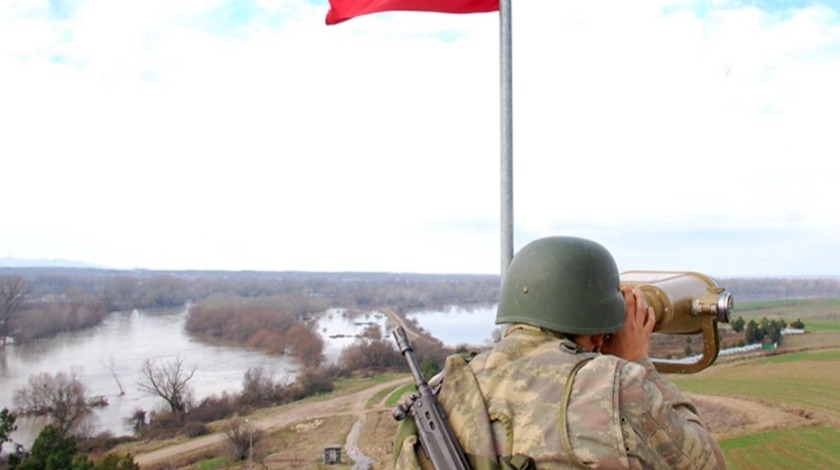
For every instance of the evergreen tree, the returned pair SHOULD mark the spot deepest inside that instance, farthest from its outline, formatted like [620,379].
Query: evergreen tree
[774,330]
[7,425]
[51,451]
[54,451]
[738,325]
[752,334]
[430,368]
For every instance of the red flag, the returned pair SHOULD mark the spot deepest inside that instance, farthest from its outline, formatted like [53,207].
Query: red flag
[343,10]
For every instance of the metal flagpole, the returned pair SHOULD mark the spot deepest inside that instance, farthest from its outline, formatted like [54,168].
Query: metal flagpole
[506,85]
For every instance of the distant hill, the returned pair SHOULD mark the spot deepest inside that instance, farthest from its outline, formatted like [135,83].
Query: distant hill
[742,288]
[7,262]
[30,270]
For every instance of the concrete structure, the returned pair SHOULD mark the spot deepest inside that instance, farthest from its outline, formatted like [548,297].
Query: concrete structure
[332,454]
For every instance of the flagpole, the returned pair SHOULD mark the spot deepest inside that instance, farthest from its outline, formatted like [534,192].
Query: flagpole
[506,85]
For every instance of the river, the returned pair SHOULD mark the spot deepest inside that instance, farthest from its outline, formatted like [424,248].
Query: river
[126,339]
[455,325]
[122,343]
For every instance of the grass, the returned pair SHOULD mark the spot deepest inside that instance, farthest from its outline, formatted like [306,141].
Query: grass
[378,397]
[398,393]
[811,447]
[790,309]
[801,382]
[812,341]
[744,307]
[348,385]
[213,464]
[807,379]
[822,325]
[801,356]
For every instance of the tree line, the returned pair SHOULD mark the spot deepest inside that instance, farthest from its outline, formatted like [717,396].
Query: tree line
[757,331]
[62,299]
[274,324]
[41,302]
[779,288]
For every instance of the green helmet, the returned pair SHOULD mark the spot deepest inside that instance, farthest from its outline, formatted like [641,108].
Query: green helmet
[564,284]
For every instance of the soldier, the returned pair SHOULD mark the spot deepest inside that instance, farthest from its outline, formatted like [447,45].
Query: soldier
[570,384]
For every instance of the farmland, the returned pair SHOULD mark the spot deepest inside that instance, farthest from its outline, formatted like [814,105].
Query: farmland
[812,447]
[808,309]
[803,379]
[790,399]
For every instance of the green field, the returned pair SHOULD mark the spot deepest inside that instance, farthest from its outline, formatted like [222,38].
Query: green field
[808,381]
[801,356]
[822,325]
[790,309]
[812,447]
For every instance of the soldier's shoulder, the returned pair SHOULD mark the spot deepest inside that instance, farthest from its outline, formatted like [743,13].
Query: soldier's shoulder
[606,366]
[605,362]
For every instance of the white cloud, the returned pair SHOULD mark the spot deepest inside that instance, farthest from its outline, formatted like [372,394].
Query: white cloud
[186,135]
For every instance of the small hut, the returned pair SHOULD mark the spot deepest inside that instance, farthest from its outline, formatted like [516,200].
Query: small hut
[332,454]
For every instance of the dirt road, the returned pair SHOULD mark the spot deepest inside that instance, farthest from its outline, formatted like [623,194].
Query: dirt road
[353,404]
[395,320]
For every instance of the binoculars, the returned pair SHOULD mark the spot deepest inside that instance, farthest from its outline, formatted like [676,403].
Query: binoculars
[685,303]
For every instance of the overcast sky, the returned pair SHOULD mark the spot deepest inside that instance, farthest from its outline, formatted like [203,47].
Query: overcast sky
[247,135]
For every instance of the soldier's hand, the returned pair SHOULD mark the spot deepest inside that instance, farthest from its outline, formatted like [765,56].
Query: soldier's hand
[632,342]
[404,407]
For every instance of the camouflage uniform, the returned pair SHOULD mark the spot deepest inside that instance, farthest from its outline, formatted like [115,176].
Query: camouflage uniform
[619,414]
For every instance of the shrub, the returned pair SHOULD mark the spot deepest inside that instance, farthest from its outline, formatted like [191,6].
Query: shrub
[312,381]
[260,389]
[243,439]
[213,409]
[194,429]
[370,354]
[101,443]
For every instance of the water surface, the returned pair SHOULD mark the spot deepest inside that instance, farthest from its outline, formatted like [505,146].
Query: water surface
[455,325]
[122,343]
[126,339]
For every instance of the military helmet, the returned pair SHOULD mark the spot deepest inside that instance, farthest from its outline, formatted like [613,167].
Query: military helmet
[564,284]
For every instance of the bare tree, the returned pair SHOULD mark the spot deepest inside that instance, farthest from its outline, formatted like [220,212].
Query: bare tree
[13,291]
[244,440]
[168,381]
[62,397]
[137,420]
[259,388]
[113,369]
[367,353]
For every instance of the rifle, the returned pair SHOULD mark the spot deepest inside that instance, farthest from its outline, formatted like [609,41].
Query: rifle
[436,436]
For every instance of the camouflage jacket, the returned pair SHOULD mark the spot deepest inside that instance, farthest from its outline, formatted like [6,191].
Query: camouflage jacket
[617,414]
